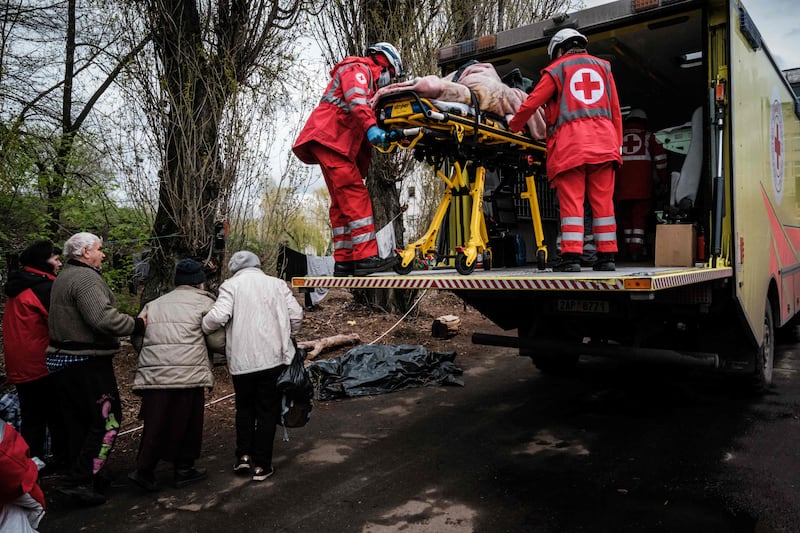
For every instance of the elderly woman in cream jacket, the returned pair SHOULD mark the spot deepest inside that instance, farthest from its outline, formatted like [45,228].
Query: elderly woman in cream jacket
[174,369]
[260,315]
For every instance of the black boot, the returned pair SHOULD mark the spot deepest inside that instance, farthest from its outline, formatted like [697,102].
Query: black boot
[374,264]
[605,263]
[568,263]
[342,269]
[184,476]
[144,479]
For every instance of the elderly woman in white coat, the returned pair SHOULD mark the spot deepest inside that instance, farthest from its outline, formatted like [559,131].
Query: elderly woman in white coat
[260,315]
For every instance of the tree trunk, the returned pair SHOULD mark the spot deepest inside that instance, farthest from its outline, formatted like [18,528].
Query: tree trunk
[382,184]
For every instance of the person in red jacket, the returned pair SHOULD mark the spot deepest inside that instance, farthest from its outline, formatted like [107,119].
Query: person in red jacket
[25,339]
[641,152]
[338,137]
[22,501]
[584,134]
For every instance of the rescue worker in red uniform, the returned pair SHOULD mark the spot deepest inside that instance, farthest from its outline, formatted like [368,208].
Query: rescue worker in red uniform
[641,151]
[338,137]
[584,134]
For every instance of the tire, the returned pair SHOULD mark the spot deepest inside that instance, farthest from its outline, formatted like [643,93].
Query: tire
[487,260]
[765,354]
[541,260]
[403,270]
[461,265]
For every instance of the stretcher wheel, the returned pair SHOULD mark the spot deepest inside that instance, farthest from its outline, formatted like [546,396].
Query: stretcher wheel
[541,259]
[487,260]
[403,270]
[461,265]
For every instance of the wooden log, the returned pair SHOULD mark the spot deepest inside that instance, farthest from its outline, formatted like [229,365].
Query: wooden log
[317,346]
[445,326]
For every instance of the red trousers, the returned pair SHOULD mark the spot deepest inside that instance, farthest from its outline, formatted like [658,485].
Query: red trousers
[351,208]
[633,218]
[596,182]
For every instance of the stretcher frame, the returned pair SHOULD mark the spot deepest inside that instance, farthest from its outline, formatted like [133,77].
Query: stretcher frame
[457,142]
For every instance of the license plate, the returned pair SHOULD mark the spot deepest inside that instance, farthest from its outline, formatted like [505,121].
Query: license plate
[582,306]
[401,110]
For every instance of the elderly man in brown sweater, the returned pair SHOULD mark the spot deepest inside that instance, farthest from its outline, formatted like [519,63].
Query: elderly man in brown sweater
[85,327]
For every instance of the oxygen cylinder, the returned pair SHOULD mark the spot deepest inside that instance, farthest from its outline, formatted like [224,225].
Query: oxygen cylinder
[701,244]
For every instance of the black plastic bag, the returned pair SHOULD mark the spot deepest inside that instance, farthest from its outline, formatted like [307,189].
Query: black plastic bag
[379,369]
[294,382]
[297,392]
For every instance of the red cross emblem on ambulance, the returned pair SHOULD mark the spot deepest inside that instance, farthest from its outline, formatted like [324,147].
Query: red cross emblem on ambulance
[587,85]
[777,145]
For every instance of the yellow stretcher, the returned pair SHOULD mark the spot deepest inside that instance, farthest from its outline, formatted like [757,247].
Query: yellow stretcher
[460,142]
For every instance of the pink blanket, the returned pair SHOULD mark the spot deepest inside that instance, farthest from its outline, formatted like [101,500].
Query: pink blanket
[493,95]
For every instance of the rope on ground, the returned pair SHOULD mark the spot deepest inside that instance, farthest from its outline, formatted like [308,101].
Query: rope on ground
[401,318]
[209,404]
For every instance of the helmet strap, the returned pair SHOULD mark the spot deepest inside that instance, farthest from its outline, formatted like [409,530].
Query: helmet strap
[385,78]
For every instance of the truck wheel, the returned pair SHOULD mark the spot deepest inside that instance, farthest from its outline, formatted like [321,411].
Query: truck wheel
[555,364]
[403,270]
[541,260]
[487,259]
[461,264]
[765,354]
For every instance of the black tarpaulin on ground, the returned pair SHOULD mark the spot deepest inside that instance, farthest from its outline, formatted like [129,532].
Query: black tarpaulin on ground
[378,369]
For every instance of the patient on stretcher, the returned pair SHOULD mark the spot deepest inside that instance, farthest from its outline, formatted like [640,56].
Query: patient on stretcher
[492,94]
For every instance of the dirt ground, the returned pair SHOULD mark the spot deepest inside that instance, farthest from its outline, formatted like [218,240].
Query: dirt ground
[335,314]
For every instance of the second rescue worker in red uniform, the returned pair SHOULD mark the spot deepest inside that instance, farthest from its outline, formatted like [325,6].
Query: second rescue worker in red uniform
[338,137]
[634,184]
[584,135]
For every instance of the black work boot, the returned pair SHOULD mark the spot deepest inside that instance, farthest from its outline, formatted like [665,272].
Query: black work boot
[374,264]
[568,263]
[605,262]
[342,269]
[144,479]
[185,476]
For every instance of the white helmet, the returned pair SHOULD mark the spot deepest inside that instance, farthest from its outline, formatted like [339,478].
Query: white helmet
[391,54]
[636,114]
[567,34]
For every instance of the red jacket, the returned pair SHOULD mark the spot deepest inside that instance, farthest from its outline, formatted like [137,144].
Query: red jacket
[344,114]
[25,335]
[640,150]
[18,473]
[584,122]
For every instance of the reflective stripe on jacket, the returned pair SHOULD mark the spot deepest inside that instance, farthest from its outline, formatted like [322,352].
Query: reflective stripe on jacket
[343,116]
[641,151]
[581,110]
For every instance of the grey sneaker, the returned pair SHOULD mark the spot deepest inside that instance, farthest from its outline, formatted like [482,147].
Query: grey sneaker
[243,465]
[260,474]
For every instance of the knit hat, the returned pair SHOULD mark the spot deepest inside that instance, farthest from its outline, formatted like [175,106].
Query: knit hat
[37,254]
[243,259]
[189,272]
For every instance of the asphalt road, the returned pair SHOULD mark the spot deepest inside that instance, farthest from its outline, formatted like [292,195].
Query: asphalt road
[614,447]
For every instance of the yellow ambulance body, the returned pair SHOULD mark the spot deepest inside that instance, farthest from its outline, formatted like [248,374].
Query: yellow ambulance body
[701,60]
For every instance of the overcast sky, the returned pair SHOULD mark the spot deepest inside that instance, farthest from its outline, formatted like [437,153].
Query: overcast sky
[779,24]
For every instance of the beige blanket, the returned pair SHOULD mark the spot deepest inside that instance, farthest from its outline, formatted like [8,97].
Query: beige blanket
[493,95]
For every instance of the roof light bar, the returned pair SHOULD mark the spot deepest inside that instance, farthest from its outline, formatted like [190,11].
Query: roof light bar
[643,5]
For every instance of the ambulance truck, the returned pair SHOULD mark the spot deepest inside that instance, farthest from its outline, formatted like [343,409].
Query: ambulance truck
[724,270]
